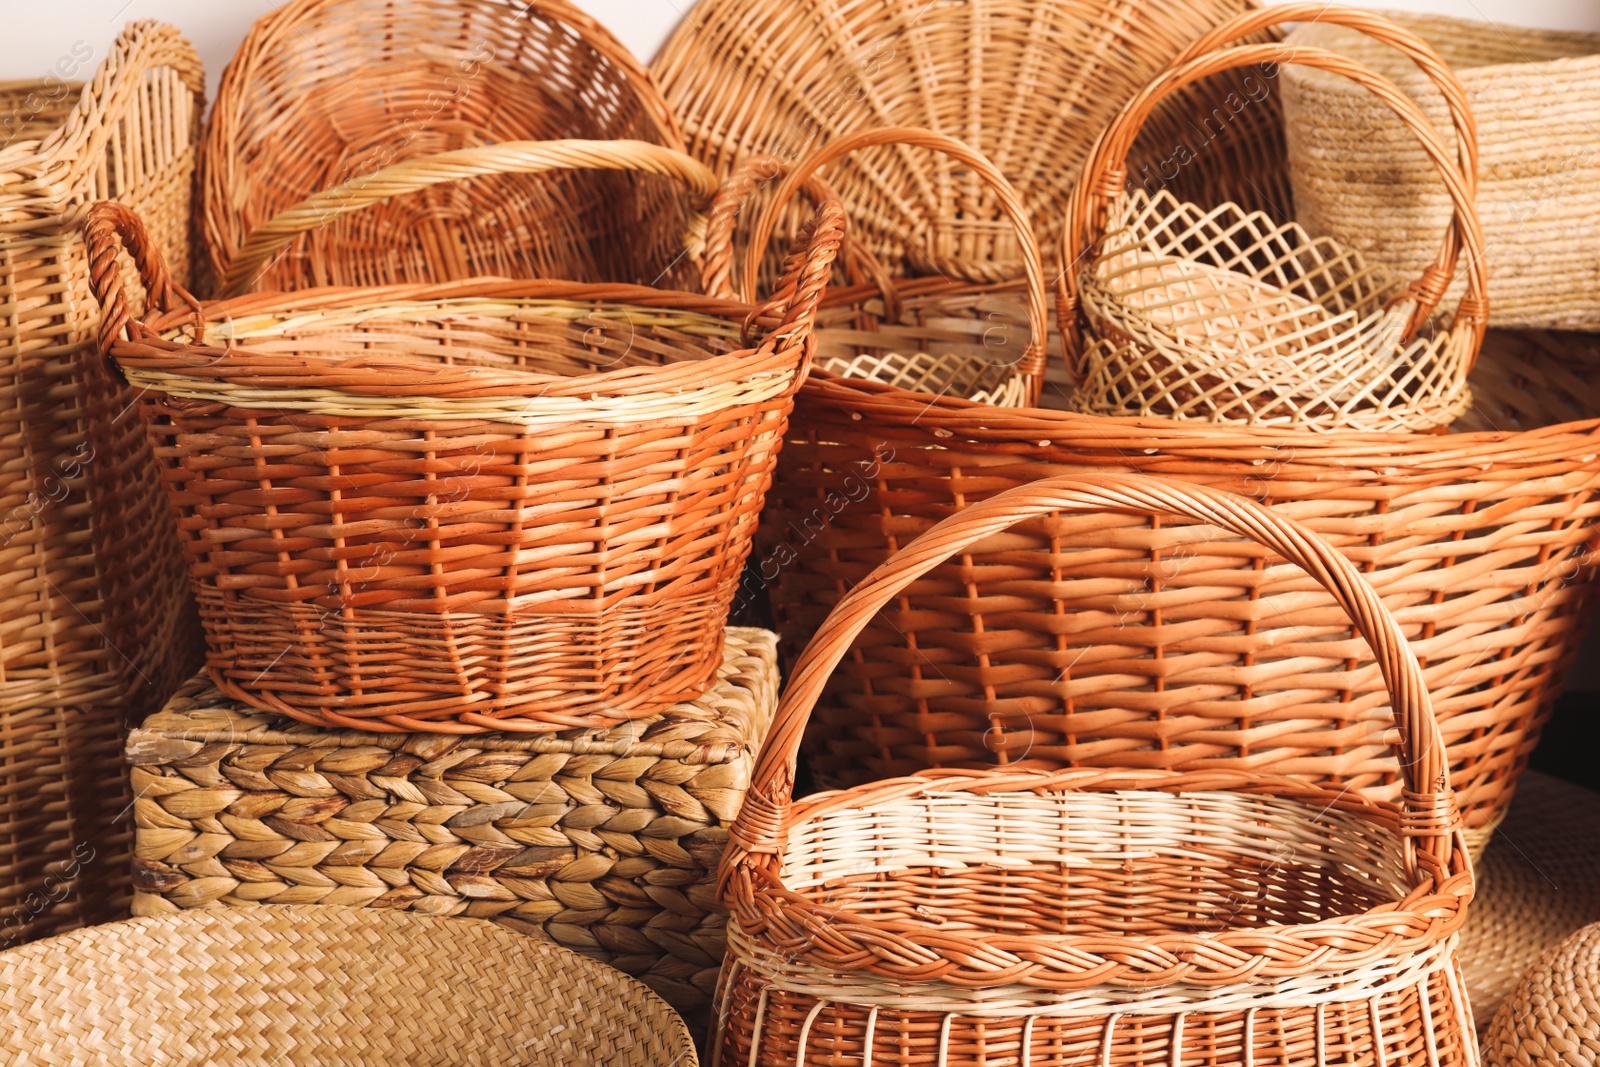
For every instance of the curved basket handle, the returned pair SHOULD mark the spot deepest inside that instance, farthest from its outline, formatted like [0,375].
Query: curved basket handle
[1032,362]
[510,157]
[1105,173]
[1430,817]
[801,284]
[109,228]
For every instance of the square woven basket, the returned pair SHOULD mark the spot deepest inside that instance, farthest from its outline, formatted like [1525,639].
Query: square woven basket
[606,841]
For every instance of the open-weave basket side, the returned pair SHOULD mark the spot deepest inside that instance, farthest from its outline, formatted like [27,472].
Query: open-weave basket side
[1360,178]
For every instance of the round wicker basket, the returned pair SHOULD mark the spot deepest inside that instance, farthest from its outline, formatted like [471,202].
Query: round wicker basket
[1553,1018]
[324,986]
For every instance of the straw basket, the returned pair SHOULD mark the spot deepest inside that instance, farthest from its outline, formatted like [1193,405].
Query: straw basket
[487,505]
[97,628]
[1026,85]
[1553,1018]
[1227,315]
[325,92]
[324,987]
[940,336]
[1360,178]
[1125,916]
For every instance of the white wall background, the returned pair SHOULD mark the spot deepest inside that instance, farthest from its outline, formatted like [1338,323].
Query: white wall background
[38,34]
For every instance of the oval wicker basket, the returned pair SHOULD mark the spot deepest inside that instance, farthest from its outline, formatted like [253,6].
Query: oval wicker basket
[987,918]
[1225,315]
[325,986]
[323,92]
[1359,176]
[479,506]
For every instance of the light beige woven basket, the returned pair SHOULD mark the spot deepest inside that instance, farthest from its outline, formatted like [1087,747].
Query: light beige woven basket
[1360,177]
[1553,1019]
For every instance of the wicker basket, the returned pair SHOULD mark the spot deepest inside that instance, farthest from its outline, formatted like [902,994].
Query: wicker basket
[1026,85]
[487,505]
[1553,1018]
[1360,177]
[1008,917]
[324,987]
[1226,315]
[97,626]
[325,91]
[940,336]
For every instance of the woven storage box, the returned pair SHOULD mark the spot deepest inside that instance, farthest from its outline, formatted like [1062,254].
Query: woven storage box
[95,624]
[604,840]
[1360,177]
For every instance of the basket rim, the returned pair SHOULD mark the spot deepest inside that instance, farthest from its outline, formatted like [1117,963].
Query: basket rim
[1421,22]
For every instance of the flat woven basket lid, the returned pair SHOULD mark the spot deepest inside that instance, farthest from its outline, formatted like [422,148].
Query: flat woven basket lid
[1538,882]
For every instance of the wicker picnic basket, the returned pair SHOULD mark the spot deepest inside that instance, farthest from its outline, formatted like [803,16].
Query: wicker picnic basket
[1222,314]
[320,986]
[1360,178]
[97,628]
[476,506]
[964,919]
[323,92]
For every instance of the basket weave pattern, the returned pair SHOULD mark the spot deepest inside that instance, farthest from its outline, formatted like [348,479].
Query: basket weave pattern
[1553,1018]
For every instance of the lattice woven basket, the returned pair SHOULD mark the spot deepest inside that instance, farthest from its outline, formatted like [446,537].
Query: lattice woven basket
[1011,917]
[487,505]
[324,987]
[95,628]
[1223,314]
[323,92]
[1360,177]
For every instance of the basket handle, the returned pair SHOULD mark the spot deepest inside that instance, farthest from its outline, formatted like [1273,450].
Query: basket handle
[802,283]
[1430,815]
[510,157]
[109,228]
[1105,171]
[1032,362]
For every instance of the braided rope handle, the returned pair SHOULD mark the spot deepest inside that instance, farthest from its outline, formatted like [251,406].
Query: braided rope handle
[1105,171]
[1431,816]
[510,157]
[110,227]
[1032,362]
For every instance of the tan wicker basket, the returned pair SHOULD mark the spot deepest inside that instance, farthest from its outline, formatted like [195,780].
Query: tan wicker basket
[323,92]
[97,628]
[479,506]
[1359,176]
[324,987]
[988,918]
[1225,315]
[1553,1018]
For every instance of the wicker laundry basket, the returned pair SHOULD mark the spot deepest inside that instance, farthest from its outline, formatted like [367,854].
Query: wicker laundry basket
[477,506]
[1007,917]
[323,92]
[1360,177]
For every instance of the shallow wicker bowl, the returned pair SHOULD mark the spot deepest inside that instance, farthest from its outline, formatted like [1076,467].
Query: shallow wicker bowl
[320,985]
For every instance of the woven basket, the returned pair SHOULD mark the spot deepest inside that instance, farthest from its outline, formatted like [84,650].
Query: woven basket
[325,91]
[1227,315]
[487,505]
[940,336]
[97,628]
[1011,917]
[1553,1019]
[325,987]
[1360,177]
[1027,85]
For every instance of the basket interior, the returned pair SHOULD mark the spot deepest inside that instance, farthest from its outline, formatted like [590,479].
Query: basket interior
[1079,863]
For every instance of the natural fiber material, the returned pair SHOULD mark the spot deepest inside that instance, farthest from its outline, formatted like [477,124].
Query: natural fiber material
[1225,315]
[486,506]
[324,987]
[327,92]
[604,841]
[1538,884]
[1553,1019]
[1027,84]
[1361,177]
[96,628]
[1009,917]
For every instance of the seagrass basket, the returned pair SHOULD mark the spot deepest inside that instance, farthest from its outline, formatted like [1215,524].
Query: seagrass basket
[478,506]
[326,92]
[320,986]
[1222,314]
[1553,1018]
[968,919]
[1359,176]
[97,628]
